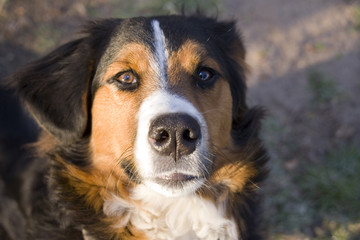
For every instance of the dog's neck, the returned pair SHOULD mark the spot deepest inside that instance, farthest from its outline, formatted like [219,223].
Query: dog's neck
[188,217]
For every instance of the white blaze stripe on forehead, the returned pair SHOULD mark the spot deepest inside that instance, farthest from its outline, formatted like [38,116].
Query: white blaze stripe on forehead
[160,52]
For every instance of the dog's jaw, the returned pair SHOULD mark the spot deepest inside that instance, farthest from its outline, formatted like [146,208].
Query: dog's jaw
[149,161]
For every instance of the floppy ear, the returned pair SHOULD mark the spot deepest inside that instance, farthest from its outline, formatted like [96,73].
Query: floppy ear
[55,89]
[245,121]
[233,50]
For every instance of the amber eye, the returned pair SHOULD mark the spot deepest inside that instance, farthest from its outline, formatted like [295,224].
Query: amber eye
[127,78]
[126,81]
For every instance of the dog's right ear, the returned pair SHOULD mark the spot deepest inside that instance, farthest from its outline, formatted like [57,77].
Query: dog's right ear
[55,88]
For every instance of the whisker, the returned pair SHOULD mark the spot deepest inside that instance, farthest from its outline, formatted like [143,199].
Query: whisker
[132,177]
[256,185]
[117,161]
[211,110]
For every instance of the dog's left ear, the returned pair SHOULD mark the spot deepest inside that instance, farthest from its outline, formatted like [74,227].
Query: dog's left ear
[233,58]
[55,89]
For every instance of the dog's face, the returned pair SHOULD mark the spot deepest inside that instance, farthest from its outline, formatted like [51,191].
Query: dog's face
[157,100]
[161,101]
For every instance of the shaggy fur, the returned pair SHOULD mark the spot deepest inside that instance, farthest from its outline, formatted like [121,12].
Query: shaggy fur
[85,179]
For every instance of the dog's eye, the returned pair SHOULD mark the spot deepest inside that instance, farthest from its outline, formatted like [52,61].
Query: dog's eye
[205,77]
[126,81]
[127,78]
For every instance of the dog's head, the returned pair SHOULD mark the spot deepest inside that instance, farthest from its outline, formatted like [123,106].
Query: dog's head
[157,99]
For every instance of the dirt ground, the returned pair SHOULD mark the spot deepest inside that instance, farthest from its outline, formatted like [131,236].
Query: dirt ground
[305,61]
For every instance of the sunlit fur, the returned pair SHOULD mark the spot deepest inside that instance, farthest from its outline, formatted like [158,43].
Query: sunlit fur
[94,165]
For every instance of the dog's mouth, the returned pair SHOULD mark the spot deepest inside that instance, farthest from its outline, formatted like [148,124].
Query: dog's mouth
[175,183]
[180,177]
[176,179]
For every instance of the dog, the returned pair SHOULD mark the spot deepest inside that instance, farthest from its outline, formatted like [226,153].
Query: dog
[146,134]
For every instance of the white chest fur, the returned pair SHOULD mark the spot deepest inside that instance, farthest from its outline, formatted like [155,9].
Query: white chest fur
[182,218]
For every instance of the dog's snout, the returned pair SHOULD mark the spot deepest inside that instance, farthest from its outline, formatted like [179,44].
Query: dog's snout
[175,134]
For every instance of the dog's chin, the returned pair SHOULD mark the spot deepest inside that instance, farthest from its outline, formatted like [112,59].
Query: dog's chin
[175,185]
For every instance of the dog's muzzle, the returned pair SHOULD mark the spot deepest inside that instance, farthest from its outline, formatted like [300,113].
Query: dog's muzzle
[171,149]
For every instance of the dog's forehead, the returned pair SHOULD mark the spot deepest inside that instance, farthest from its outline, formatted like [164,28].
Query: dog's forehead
[175,29]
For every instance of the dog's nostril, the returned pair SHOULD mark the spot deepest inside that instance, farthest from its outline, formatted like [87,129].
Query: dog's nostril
[190,134]
[160,136]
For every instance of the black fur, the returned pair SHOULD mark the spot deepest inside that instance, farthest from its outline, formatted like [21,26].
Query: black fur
[58,91]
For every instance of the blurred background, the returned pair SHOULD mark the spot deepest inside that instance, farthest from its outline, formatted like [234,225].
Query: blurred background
[305,61]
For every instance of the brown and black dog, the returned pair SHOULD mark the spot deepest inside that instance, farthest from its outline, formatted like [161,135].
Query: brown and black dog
[146,135]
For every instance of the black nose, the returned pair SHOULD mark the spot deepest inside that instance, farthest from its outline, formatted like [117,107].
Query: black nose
[175,134]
